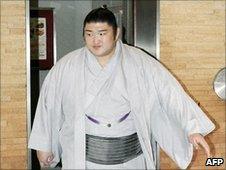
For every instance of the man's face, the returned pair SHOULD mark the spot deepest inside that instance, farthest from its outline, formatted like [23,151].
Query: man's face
[100,39]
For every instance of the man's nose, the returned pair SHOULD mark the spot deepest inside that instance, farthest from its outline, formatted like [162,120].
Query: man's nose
[96,38]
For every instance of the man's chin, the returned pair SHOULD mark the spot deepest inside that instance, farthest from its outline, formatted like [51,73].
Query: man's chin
[97,54]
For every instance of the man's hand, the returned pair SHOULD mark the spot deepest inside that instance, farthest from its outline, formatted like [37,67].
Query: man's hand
[45,158]
[197,139]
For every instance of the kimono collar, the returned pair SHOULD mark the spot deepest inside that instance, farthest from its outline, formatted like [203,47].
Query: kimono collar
[94,66]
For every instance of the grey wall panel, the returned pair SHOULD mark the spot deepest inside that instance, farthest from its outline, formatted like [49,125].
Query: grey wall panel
[145,25]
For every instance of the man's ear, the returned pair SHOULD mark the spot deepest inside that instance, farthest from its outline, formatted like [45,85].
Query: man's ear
[117,33]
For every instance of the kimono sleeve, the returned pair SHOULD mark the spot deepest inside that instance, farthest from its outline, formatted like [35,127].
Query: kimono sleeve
[48,120]
[179,117]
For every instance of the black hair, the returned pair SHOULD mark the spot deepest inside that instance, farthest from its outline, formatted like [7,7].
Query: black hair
[101,14]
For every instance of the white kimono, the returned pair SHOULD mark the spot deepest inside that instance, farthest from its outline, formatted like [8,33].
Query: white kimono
[158,103]
[107,106]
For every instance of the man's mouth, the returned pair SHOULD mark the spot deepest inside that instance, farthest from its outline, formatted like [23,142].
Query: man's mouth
[96,47]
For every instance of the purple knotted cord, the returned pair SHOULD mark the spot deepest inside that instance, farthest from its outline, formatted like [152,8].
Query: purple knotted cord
[124,117]
[97,122]
[92,119]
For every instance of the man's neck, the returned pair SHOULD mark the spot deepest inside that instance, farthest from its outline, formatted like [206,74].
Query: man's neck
[103,60]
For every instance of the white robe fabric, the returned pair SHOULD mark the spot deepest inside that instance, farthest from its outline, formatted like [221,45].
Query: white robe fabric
[158,103]
[108,106]
[111,102]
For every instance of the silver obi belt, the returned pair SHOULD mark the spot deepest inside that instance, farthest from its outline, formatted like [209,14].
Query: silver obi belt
[112,150]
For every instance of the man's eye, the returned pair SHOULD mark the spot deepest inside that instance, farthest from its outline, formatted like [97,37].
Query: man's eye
[102,33]
[88,34]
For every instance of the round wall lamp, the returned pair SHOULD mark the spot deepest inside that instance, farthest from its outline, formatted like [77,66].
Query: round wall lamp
[219,84]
